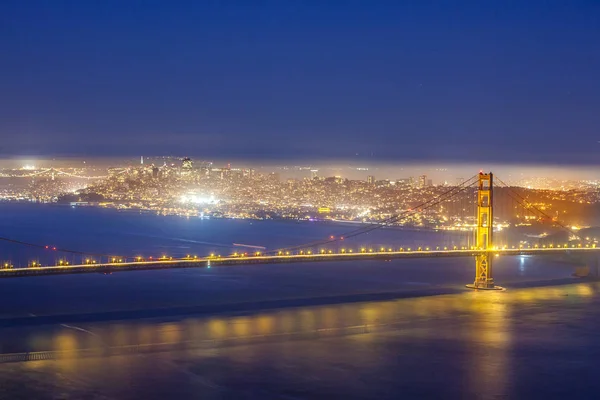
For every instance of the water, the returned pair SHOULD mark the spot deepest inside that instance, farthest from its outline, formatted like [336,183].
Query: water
[405,328]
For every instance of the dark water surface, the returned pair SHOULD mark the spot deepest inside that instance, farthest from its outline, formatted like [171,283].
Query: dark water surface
[381,330]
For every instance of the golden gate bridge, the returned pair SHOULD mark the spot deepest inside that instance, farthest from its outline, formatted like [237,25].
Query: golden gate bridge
[484,250]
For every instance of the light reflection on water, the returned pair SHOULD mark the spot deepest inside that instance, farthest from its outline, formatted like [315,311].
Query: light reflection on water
[489,311]
[466,344]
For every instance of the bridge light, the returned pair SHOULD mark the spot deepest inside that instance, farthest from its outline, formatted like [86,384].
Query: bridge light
[343,250]
[382,249]
[445,248]
[455,248]
[419,249]
[309,252]
[279,253]
[427,248]
[362,250]
[370,250]
[497,255]
[258,253]
[329,251]
[408,249]
[401,248]
[287,253]
[390,250]
[195,257]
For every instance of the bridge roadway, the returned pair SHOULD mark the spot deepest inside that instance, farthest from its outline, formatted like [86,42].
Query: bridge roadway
[213,261]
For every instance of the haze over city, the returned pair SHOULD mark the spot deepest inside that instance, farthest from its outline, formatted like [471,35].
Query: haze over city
[299,199]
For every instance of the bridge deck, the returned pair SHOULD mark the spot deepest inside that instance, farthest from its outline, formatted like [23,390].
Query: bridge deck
[277,259]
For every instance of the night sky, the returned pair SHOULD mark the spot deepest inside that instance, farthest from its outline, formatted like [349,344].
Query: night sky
[393,81]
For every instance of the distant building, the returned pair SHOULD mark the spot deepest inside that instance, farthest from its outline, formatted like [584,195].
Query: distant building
[155,172]
[187,164]
[429,182]
[404,182]
[422,181]
[371,180]
[314,173]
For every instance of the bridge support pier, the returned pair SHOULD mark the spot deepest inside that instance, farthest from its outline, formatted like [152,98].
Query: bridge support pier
[484,233]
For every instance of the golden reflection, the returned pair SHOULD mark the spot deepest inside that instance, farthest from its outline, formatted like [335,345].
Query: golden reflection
[585,290]
[490,342]
[265,324]
[66,345]
[65,342]
[241,326]
[370,313]
[217,329]
[170,333]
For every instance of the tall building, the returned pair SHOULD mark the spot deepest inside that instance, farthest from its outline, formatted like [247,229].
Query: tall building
[186,167]
[187,163]
[371,180]
[422,181]
[314,173]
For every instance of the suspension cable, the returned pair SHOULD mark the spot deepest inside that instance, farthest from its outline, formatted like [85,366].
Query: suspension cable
[377,225]
[523,202]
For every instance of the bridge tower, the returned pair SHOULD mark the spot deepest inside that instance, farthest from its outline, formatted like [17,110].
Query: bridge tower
[484,233]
